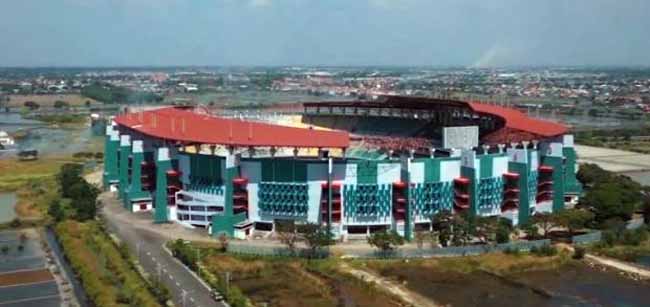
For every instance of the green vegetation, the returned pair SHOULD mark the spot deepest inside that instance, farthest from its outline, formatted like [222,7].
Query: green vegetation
[624,244]
[78,196]
[60,104]
[113,94]
[579,252]
[277,281]
[107,271]
[498,263]
[457,230]
[60,118]
[386,241]
[608,196]
[545,250]
[87,155]
[631,139]
[31,105]
[107,276]
[315,236]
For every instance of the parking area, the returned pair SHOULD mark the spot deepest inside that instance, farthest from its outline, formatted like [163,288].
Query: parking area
[25,272]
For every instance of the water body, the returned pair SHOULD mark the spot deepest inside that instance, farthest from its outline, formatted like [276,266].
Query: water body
[7,207]
[48,140]
[580,285]
[643,260]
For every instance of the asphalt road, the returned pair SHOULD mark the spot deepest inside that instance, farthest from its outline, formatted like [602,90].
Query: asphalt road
[186,290]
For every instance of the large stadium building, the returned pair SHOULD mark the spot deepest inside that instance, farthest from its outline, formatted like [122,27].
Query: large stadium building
[361,166]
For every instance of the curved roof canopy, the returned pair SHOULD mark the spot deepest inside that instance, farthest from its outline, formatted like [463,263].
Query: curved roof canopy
[186,126]
[513,124]
[515,119]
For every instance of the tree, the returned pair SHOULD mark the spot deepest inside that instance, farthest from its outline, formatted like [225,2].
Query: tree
[574,219]
[531,230]
[86,208]
[31,105]
[55,210]
[461,229]
[288,234]
[5,249]
[441,224]
[385,240]
[545,222]
[316,237]
[590,174]
[610,200]
[223,242]
[420,237]
[69,175]
[485,228]
[60,104]
[503,231]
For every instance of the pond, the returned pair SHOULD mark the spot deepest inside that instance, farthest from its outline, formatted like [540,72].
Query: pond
[643,260]
[7,205]
[47,139]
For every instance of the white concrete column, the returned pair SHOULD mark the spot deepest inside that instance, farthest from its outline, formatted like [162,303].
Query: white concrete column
[501,147]
[486,149]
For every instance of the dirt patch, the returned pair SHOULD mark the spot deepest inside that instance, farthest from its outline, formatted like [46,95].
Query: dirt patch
[24,277]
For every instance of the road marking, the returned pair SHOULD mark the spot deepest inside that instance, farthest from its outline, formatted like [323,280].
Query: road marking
[29,299]
[23,270]
[30,283]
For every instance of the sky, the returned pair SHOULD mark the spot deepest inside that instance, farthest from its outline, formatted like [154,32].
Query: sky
[473,33]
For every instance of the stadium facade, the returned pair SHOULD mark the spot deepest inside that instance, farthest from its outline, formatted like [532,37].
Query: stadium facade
[362,166]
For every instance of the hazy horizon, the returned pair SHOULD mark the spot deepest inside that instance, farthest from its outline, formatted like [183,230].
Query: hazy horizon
[337,33]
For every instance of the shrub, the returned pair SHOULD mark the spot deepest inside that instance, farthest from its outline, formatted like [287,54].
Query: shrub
[513,251]
[503,234]
[386,240]
[579,252]
[15,223]
[544,250]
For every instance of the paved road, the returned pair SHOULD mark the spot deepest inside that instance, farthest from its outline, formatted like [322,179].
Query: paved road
[155,260]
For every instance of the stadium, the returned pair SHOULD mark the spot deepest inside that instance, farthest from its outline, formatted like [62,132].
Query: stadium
[358,166]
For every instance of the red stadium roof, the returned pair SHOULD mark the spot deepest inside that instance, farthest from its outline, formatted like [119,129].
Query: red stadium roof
[189,127]
[517,120]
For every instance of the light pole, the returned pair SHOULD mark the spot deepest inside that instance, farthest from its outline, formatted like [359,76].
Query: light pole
[137,249]
[329,196]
